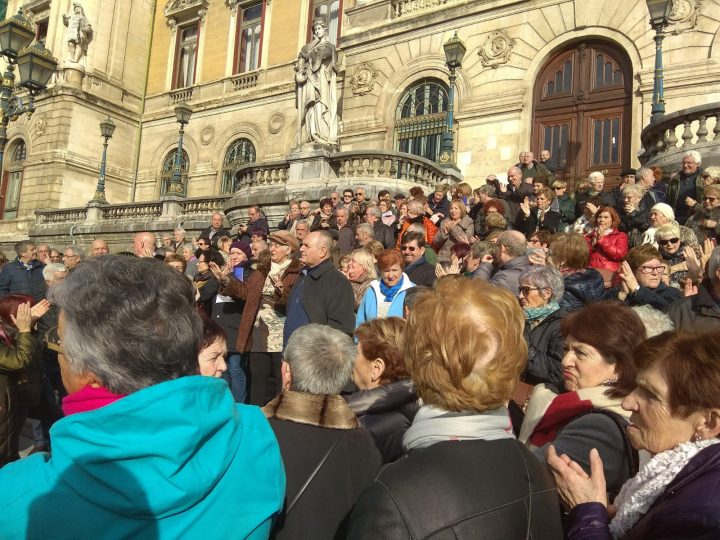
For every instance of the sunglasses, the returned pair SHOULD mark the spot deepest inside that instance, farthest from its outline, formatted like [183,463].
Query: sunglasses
[359,194]
[711,199]
[526,290]
[667,241]
[408,248]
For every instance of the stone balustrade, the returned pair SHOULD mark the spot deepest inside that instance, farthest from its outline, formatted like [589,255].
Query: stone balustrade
[244,81]
[401,8]
[696,128]
[147,210]
[388,166]
[179,96]
[66,215]
[262,174]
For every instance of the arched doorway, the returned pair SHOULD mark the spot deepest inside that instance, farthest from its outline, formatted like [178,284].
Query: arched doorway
[582,110]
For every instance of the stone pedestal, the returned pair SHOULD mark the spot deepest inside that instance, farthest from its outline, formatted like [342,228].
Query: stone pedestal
[310,166]
[73,74]
[94,212]
[171,207]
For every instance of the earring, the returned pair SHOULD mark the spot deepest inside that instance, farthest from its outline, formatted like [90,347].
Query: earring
[373,379]
[697,438]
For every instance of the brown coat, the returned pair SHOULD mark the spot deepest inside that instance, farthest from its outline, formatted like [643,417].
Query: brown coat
[289,278]
[250,292]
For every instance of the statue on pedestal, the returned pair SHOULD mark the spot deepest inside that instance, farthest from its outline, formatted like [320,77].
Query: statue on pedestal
[79,33]
[316,77]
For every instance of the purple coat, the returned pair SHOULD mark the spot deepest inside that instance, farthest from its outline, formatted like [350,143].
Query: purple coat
[689,508]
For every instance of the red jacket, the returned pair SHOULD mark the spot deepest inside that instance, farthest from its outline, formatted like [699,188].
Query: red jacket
[609,251]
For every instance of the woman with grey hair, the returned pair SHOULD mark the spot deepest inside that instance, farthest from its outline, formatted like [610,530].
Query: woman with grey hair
[635,212]
[541,288]
[156,447]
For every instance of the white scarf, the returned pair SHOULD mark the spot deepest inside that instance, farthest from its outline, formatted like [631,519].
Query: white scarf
[276,269]
[640,492]
[432,425]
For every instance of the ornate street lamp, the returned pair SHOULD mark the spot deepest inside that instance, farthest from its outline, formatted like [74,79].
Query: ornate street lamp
[454,52]
[183,112]
[35,63]
[659,18]
[107,128]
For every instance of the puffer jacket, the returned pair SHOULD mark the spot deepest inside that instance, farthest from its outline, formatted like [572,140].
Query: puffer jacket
[582,288]
[545,352]
[609,251]
[15,278]
[386,412]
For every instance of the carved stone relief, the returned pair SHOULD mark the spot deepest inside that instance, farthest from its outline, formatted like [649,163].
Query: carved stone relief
[497,49]
[683,15]
[363,79]
[276,123]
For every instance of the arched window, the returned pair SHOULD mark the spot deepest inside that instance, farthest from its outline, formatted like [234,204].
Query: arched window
[241,152]
[12,181]
[167,171]
[421,119]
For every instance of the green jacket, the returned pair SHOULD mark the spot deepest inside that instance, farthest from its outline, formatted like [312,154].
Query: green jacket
[674,188]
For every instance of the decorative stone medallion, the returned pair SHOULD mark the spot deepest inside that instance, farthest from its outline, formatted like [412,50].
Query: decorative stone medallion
[40,124]
[497,49]
[276,123]
[206,135]
[683,15]
[363,80]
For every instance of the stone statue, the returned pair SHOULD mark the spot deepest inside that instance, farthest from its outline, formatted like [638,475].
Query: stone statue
[79,33]
[316,77]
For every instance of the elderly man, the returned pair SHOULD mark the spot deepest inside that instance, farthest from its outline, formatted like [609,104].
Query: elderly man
[597,184]
[144,244]
[346,235]
[301,230]
[545,160]
[99,247]
[179,239]
[257,225]
[504,267]
[328,458]
[304,210]
[686,188]
[364,234]
[24,274]
[417,268]
[72,256]
[515,192]
[700,312]
[321,294]
[646,177]
[530,168]
[381,232]
[144,448]
[215,230]
[43,253]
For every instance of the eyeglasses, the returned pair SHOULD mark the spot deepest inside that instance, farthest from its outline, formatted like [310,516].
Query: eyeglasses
[711,199]
[534,241]
[526,290]
[408,248]
[557,188]
[334,198]
[359,194]
[652,269]
[347,196]
[667,241]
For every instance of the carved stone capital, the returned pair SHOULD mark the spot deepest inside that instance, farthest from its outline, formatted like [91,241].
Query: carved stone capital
[363,79]
[497,49]
[172,24]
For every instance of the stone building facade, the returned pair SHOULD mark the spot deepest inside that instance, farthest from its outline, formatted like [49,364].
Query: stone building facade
[573,76]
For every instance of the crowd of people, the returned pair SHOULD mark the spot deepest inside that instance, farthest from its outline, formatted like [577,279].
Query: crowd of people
[519,360]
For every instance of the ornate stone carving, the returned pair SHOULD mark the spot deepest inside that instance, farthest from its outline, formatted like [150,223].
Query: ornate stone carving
[207,135]
[497,49]
[276,123]
[683,15]
[172,25]
[79,33]
[40,124]
[363,79]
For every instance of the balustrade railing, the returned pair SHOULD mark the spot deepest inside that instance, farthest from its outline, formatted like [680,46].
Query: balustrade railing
[244,81]
[402,8]
[181,95]
[695,128]
[263,174]
[387,166]
[66,215]
[201,206]
[133,211]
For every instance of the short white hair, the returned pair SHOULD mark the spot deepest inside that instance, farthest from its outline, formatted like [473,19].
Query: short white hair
[596,174]
[656,322]
[51,269]
[693,154]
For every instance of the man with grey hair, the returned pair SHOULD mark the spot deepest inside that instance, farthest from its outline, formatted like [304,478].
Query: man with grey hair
[72,256]
[686,188]
[646,177]
[215,230]
[381,232]
[597,185]
[515,192]
[321,443]
[129,337]
[364,234]
[99,247]
[508,261]
[346,235]
[700,312]
[321,294]
[24,274]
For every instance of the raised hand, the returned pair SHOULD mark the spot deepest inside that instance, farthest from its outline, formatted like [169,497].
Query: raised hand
[593,209]
[23,318]
[39,309]
[627,277]
[573,483]
[689,289]
[525,207]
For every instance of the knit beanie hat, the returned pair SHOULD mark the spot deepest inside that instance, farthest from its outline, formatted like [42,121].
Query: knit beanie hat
[665,209]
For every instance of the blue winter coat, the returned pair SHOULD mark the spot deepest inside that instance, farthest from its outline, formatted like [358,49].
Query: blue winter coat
[16,279]
[176,460]
[368,309]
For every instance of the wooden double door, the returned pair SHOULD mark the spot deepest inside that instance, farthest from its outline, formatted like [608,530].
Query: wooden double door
[582,110]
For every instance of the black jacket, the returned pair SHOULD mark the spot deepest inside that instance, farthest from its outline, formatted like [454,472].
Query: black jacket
[582,288]
[386,412]
[699,313]
[461,490]
[659,298]
[528,225]
[383,234]
[205,233]
[260,224]
[16,279]
[422,274]
[545,352]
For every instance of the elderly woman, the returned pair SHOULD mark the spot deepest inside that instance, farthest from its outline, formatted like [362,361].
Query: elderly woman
[361,272]
[635,212]
[457,227]
[213,350]
[465,355]
[324,218]
[672,250]
[569,253]
[386,403]
[641,280]
[598,372]
[663,214]
[204,280]
[608,245]
[541,288]
[267,334]
[674,413]
[542,217]
[384,297]
[156,447]
[388,217]
[705,222]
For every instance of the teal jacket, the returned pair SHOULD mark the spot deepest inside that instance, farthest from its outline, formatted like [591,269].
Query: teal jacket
[176,460]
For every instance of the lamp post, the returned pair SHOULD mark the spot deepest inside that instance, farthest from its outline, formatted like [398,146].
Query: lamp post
[454,52]
[35,64]
[183,112]
[107,128]
[659,18]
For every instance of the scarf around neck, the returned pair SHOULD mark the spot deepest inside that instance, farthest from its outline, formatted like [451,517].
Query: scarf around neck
[432,425]
[640,492]
[533,314]
[87,399]
[390,292]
